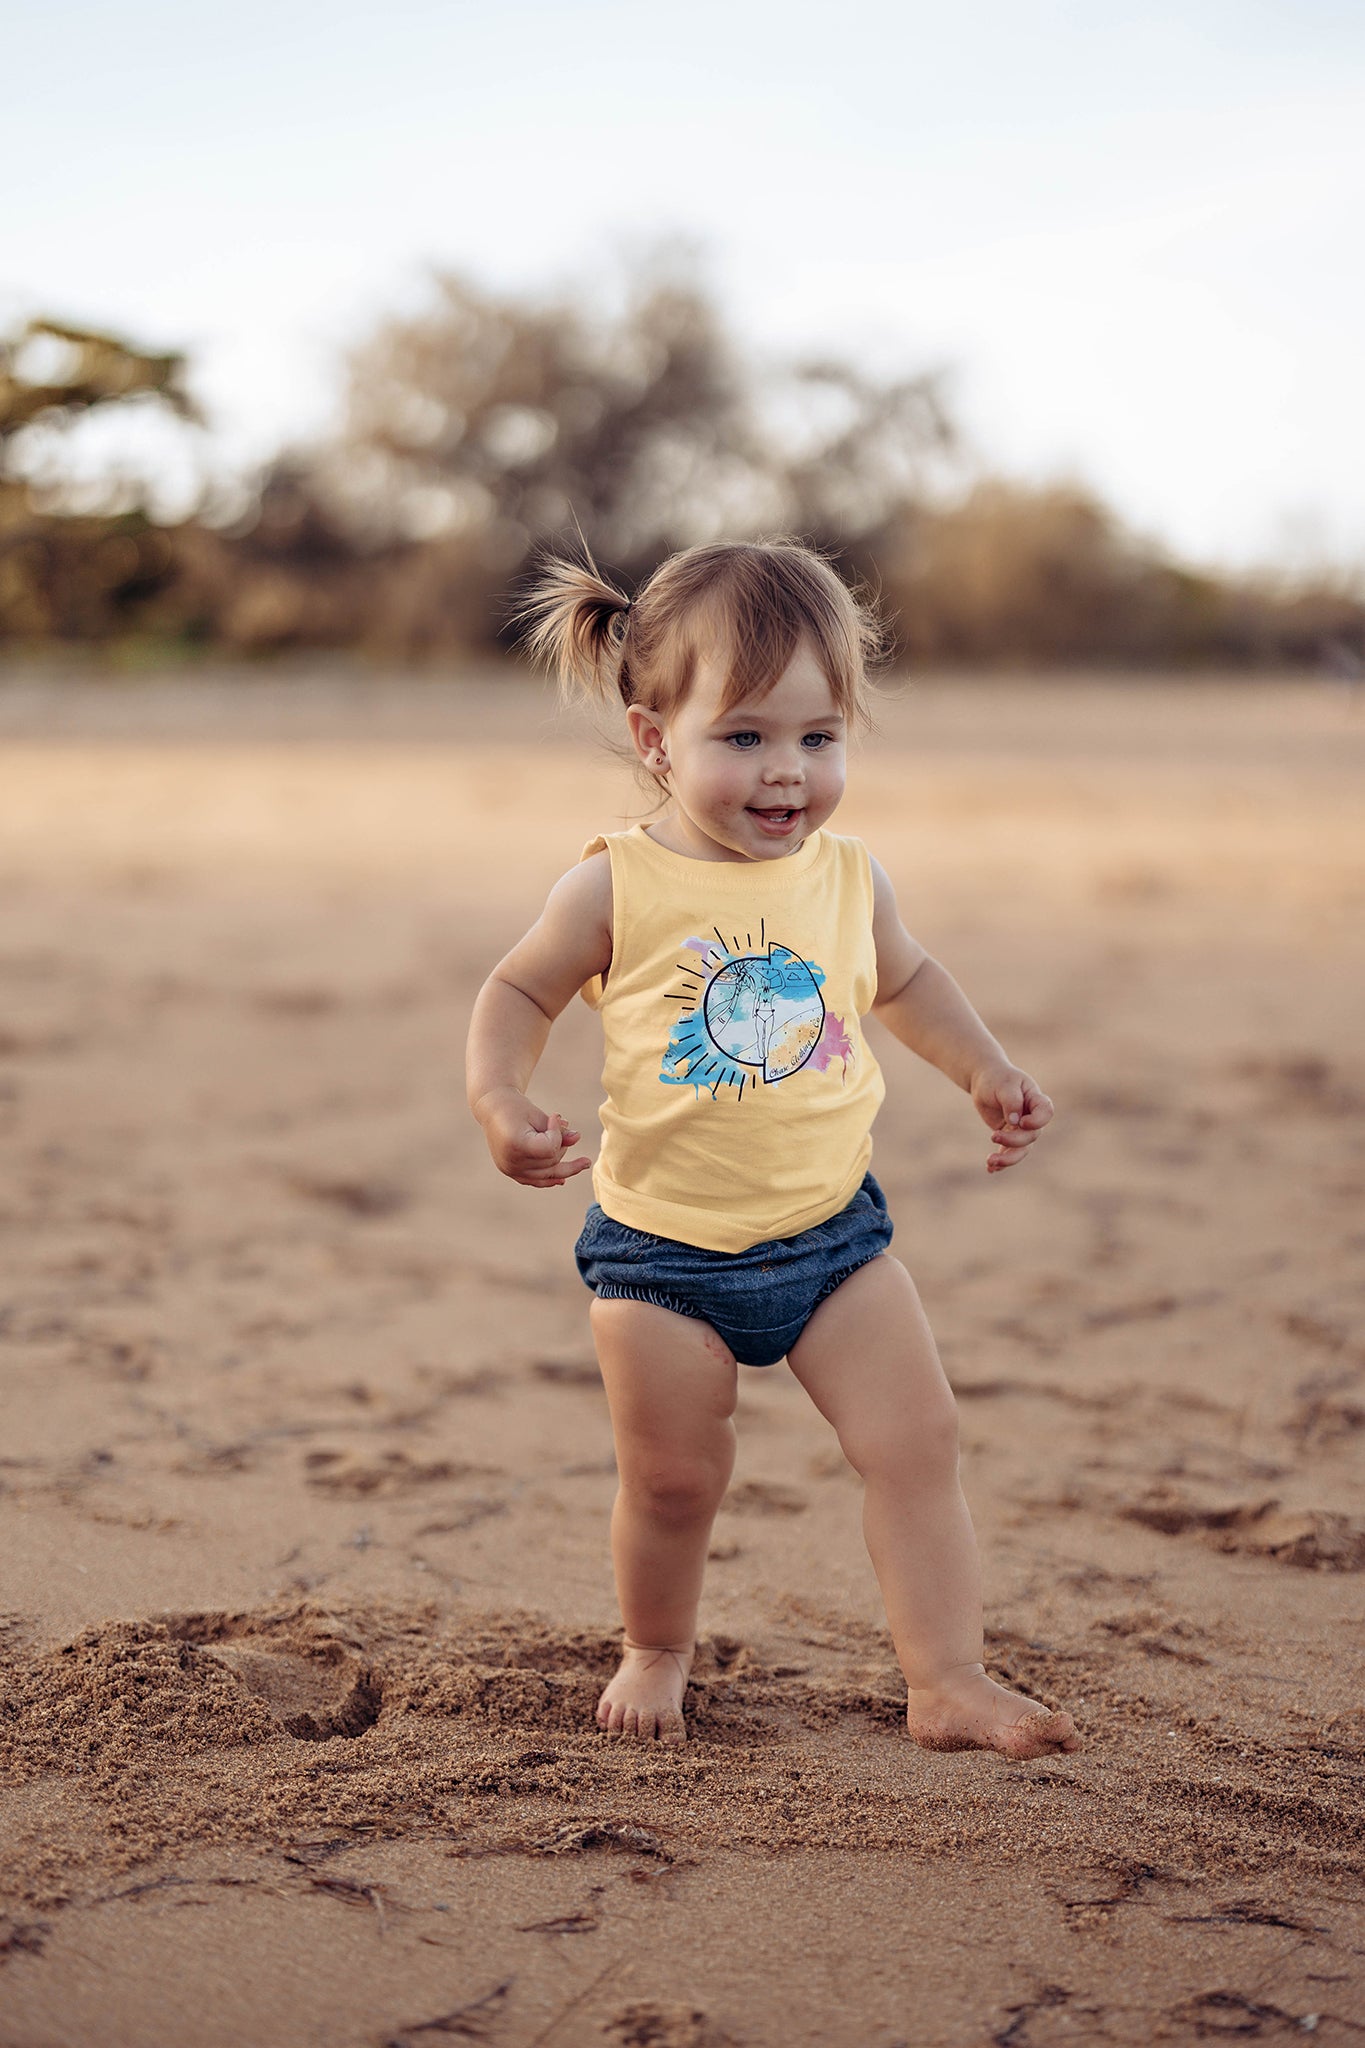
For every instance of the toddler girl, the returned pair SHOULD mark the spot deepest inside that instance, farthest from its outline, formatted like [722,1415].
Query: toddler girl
[732,947]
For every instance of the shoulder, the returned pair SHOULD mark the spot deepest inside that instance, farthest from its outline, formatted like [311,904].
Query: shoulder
[859,857]
[856,862]
[585,888]
[886,911]
[845,845]
[883,888]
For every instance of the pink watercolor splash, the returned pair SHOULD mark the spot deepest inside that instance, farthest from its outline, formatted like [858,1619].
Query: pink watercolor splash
[835,1044]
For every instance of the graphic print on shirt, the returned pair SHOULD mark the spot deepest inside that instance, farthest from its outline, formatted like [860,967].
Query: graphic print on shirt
[749,1014]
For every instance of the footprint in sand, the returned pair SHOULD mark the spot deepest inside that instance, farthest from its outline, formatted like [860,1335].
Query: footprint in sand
[1315,1331]
[358,1195]
[1314,1539]
[1323,1416]
[568,1372]
[1093,1578]
[182,1684]
[1040,1390]
[216,1459]
[1302,1082]
[648,2025]
[307,1672]
[445,1384]
[761,1497]
[356,1474]
[1210,2014]
[830,1463]
[128,1358]
[1155,1633]
[1151,1308]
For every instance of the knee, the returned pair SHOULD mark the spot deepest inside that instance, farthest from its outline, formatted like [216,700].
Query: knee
[676,1490]
[922,1447]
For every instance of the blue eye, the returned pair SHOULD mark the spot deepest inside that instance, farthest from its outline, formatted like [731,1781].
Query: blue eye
[813,742]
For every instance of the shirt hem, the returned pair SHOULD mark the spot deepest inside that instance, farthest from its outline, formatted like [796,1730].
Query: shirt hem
[710,1232]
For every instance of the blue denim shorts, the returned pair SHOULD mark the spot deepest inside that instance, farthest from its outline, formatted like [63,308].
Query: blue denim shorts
[758,1301]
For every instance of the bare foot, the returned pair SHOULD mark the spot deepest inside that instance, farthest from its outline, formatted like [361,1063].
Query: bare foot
[967,1710]
[644,1700]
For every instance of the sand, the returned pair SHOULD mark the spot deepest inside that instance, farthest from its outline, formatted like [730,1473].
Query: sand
[305,1467]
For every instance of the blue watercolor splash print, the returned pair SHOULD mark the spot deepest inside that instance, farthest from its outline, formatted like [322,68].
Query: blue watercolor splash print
[751,1015]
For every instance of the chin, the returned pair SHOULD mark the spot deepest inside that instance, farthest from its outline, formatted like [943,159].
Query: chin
[780,849]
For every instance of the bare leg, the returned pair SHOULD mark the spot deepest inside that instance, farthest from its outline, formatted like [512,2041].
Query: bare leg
[867,1359]
[671,1387]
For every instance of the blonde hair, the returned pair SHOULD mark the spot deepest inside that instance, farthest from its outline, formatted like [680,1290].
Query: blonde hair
[749,602]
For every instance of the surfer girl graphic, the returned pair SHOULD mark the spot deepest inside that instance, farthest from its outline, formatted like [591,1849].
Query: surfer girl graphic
[750,1016]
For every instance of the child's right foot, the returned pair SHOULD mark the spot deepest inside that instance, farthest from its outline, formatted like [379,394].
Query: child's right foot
[644,1700]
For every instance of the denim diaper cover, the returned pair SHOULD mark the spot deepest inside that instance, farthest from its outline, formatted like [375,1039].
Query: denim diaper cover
[760,1300]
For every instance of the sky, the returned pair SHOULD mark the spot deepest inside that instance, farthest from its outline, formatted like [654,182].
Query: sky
[1129,235]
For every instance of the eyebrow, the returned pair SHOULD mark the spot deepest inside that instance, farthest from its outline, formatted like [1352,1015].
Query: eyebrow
[740,716]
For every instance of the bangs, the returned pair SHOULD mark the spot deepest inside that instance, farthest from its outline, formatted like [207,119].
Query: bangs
[750,608]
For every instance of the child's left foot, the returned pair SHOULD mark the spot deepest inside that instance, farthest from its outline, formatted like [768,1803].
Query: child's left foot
[644,1700]
[967,1710]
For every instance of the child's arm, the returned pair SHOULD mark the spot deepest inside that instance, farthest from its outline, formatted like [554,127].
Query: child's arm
[570,942]
[919,1001]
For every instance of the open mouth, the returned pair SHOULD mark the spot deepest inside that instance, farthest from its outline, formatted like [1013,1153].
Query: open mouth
[776,815]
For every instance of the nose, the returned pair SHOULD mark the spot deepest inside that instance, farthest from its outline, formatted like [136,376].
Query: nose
[784,768]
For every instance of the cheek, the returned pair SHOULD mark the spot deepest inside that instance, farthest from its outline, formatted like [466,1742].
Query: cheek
[730,778]
[826,775]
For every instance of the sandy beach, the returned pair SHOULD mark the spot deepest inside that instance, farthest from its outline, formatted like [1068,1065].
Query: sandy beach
[305,1466]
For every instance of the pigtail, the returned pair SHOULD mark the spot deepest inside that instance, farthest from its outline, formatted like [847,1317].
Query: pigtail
[575,623]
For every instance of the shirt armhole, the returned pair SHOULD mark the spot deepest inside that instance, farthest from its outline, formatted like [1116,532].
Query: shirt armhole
[867,991]
[594,989]
[869,886]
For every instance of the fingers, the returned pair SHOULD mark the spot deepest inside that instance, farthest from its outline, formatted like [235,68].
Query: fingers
[555,1179]
[1010,1147]
[998,1161]
[559,1135]
[999,1101]
[535,1158]
[544,1144]
[1010,1098]
[1038,1108]
[553,1172]
[1016,1109]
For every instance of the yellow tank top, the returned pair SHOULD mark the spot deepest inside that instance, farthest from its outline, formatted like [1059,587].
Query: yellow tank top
[740,1091]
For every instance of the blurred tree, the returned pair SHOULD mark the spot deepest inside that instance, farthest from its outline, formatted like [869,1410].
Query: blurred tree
[1045,572]
[52,373]
[63,576]
[1048,573]
[484,426]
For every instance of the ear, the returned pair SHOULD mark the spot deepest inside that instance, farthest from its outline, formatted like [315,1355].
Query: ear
[649,737]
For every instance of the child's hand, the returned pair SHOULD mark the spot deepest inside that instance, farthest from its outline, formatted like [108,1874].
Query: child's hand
[526,1144]
[1015,1108]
